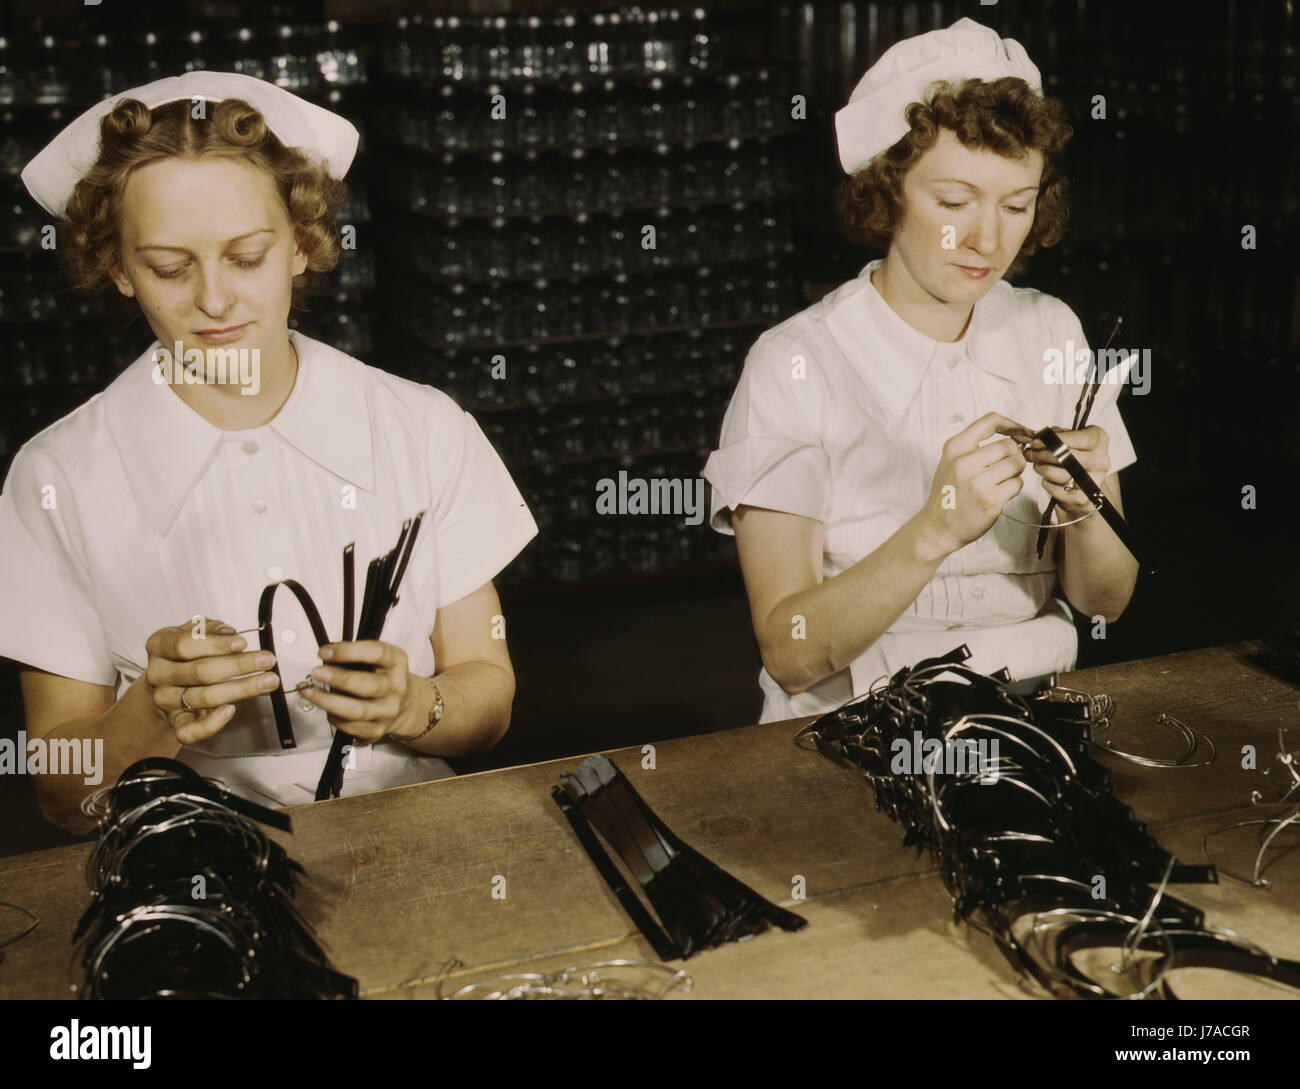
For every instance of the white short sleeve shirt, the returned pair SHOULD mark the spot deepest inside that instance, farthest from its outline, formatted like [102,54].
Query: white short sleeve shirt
[133,513]
[841,414]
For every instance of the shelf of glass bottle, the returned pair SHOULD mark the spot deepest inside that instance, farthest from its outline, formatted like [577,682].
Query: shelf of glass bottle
[406,330]
[572,250]
[612,557]
[536,377]
[733,76]
[27,300]
[667,426]
[1206,73]
[707,297]
[670,426]
[623,44]
[306,59]
[579,116]
[608,180]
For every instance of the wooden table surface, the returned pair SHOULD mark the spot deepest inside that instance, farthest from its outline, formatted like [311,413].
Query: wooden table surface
[402,880]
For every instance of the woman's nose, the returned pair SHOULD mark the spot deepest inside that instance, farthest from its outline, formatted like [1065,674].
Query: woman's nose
[983,234]
[214,292]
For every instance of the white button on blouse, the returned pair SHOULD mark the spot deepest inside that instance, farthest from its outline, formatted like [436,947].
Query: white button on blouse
[134,513]
[840,415]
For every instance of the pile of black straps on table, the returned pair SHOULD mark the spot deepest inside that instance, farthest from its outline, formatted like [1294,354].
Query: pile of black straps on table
[191,899]
[1030,840]
[700,904]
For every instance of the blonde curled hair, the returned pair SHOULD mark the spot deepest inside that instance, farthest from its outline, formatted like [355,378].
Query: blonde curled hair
[132,135]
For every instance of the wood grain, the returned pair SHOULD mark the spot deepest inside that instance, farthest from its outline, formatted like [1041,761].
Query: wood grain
[402,880]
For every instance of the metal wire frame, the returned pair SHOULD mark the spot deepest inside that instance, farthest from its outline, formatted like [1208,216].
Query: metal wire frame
[576,982]
[107,859]
[1051,962]
[1102,707]
[141,921]
[1276,822]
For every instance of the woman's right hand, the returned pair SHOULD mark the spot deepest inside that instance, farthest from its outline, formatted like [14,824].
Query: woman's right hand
[973,482]
[190,678]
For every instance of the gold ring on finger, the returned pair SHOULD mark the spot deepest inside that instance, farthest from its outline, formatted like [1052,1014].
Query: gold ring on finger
[186,703]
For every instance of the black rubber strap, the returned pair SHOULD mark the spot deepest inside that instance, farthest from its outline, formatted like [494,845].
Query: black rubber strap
[721,880]
[1191,949]
[349,590]
[598,807]
[663,948]
[1067,461]
[698,902]
[283,725]
[330,783]
[196,784]
[384,575]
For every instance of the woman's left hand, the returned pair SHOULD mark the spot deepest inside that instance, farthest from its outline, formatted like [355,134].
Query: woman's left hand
[1091,448]
[368,705]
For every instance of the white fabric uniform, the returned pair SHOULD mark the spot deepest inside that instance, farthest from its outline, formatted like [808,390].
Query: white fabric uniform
[133,513]
[855,442]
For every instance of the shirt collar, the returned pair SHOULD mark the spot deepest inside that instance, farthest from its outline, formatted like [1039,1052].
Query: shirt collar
[892,357]
[166,446]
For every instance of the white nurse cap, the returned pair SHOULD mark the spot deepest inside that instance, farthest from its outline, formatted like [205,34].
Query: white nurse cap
[875,117]
[54,173]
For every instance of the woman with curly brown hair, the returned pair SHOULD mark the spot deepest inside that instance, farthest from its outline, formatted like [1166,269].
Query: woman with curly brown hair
[872,460]
[140,530]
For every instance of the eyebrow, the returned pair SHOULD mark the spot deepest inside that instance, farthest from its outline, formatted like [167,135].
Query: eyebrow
[231,241]
[968,185]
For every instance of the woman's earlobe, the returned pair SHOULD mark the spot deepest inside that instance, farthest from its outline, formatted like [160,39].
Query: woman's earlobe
[121,281]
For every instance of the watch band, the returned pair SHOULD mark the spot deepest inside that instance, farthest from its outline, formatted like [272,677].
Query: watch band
[435,715]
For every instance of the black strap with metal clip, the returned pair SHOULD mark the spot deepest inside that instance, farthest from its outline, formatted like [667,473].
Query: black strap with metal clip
[1067,461]
[1082,410]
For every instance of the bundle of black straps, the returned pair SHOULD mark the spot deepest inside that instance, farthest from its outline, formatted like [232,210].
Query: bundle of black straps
[1031,843]
[383,578]
[701,905]
[191,899]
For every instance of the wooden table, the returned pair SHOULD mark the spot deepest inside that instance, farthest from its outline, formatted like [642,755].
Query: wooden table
[402,880]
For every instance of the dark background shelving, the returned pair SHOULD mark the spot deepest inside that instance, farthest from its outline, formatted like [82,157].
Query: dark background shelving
[627,630]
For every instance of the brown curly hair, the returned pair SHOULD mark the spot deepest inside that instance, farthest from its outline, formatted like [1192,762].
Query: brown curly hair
[132,135]
[1002,115]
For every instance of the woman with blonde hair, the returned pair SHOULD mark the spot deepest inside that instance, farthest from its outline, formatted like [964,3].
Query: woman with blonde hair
[140,530]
